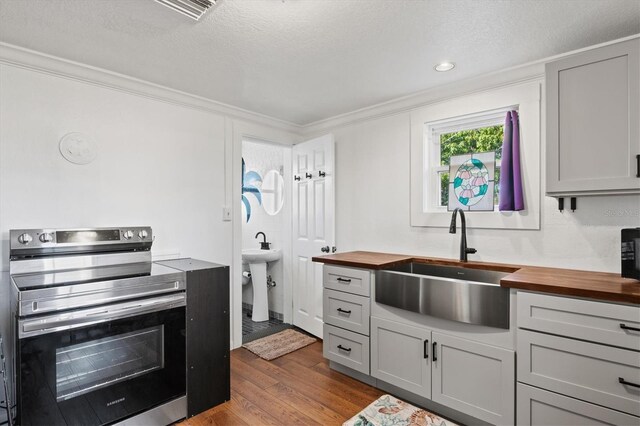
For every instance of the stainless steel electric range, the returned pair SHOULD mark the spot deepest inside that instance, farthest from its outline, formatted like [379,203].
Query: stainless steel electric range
[100,329]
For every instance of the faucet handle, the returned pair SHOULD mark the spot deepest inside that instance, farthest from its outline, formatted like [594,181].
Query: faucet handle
[471,250]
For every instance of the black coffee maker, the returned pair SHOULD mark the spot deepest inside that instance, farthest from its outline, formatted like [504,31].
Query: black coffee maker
[630,253]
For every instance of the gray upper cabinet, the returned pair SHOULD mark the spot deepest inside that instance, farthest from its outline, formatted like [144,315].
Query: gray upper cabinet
[593,122]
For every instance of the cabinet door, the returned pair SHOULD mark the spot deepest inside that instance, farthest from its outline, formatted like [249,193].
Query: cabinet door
[400,355]
[593,115]
[474,378]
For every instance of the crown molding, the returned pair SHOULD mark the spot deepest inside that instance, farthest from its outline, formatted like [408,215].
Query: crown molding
[429,97]
[40,62]
[532,71]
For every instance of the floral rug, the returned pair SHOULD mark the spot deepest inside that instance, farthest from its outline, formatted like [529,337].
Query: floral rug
[390,411]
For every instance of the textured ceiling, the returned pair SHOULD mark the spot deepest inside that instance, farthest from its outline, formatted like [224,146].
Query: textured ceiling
[306,60]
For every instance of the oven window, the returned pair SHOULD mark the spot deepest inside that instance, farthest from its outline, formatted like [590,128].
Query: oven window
[92,365]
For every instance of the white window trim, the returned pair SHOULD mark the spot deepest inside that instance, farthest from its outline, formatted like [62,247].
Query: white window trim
[525,98]
[432,167]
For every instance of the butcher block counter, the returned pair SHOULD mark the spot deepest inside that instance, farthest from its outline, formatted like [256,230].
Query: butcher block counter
[568,282]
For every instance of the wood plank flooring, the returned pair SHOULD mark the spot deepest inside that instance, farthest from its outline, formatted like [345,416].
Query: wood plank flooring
[296,389]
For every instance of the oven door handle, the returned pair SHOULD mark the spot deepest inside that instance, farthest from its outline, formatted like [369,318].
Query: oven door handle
[29,327]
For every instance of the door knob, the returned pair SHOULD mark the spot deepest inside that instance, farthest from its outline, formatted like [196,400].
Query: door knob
[325,249]
[334,249]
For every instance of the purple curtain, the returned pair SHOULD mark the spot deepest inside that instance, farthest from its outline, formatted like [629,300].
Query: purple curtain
[511,198]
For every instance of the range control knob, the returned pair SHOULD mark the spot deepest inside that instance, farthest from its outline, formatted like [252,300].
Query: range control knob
[143,234]
[46,238]
[25,238]
[127,234]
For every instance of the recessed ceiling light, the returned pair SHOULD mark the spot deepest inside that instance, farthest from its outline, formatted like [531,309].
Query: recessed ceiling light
[444,66]
[192,8]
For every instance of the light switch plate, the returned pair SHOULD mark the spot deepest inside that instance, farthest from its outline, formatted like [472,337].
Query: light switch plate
[226,214]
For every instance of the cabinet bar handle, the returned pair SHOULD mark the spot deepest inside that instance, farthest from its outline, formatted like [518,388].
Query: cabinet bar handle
[638,165]
[426,349]
[344,349]
[343,311]
[435,351]
[626,327]
[624,382]
[344,280]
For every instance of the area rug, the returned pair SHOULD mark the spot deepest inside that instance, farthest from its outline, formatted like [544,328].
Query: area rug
[276,345]
[388,410]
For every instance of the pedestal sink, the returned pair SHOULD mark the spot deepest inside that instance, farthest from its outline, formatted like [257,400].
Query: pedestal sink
[257,260]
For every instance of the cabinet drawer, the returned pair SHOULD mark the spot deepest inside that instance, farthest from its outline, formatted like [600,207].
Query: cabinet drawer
[347,348]
[346,310]
[350,280]
[537,407]
[599,322]
[582,370]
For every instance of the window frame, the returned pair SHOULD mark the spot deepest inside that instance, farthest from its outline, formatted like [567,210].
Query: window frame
[433,131]
[524,97]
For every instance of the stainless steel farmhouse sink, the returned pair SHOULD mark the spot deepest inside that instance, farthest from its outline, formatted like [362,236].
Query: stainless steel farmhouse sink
[466,295]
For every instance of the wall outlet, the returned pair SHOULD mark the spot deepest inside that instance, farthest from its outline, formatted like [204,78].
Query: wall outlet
[226,214]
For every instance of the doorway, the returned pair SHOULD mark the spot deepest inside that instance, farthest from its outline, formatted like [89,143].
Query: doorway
[266,238]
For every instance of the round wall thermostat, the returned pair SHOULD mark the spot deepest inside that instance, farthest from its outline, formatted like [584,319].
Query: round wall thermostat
[78,148]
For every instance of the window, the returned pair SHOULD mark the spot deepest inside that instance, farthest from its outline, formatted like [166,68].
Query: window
[474,122]
[477,133]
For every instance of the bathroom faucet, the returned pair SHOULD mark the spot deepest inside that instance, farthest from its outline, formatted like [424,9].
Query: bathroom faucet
[264,245]
[464,250]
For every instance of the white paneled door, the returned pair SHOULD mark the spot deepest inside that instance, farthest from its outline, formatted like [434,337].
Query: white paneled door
[313,227]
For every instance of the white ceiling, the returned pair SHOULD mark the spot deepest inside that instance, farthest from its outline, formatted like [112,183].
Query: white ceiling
[306,60]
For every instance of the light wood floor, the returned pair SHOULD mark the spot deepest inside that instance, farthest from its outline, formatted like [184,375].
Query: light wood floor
[296,389]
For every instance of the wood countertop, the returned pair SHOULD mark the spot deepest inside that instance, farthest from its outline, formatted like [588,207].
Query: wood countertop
[568,282]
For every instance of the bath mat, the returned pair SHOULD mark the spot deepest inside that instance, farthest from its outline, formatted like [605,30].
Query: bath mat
[273,329]
[276,345]
[388,410]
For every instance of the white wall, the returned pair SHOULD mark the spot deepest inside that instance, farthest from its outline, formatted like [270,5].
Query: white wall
[159,164]
[261,158]
[372,206]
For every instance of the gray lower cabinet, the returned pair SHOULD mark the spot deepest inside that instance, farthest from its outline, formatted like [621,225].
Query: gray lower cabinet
[346,347]
[400,355]
[578,361]
[348,311]
[593,131]
[583,370]
[538,407]
[473,378]
[467,376]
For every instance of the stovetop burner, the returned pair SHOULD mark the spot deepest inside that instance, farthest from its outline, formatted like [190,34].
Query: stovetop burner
[81,276]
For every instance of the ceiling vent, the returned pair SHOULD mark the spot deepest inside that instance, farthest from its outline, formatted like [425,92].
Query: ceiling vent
[192,8]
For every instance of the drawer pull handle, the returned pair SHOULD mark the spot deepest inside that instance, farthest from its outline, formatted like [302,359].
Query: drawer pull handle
[626,327]
[426,349]
[344,280]
[344,349]
[435,351]
[343,311]
[624,382]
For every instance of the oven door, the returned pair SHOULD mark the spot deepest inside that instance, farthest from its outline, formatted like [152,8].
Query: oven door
[101,365]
